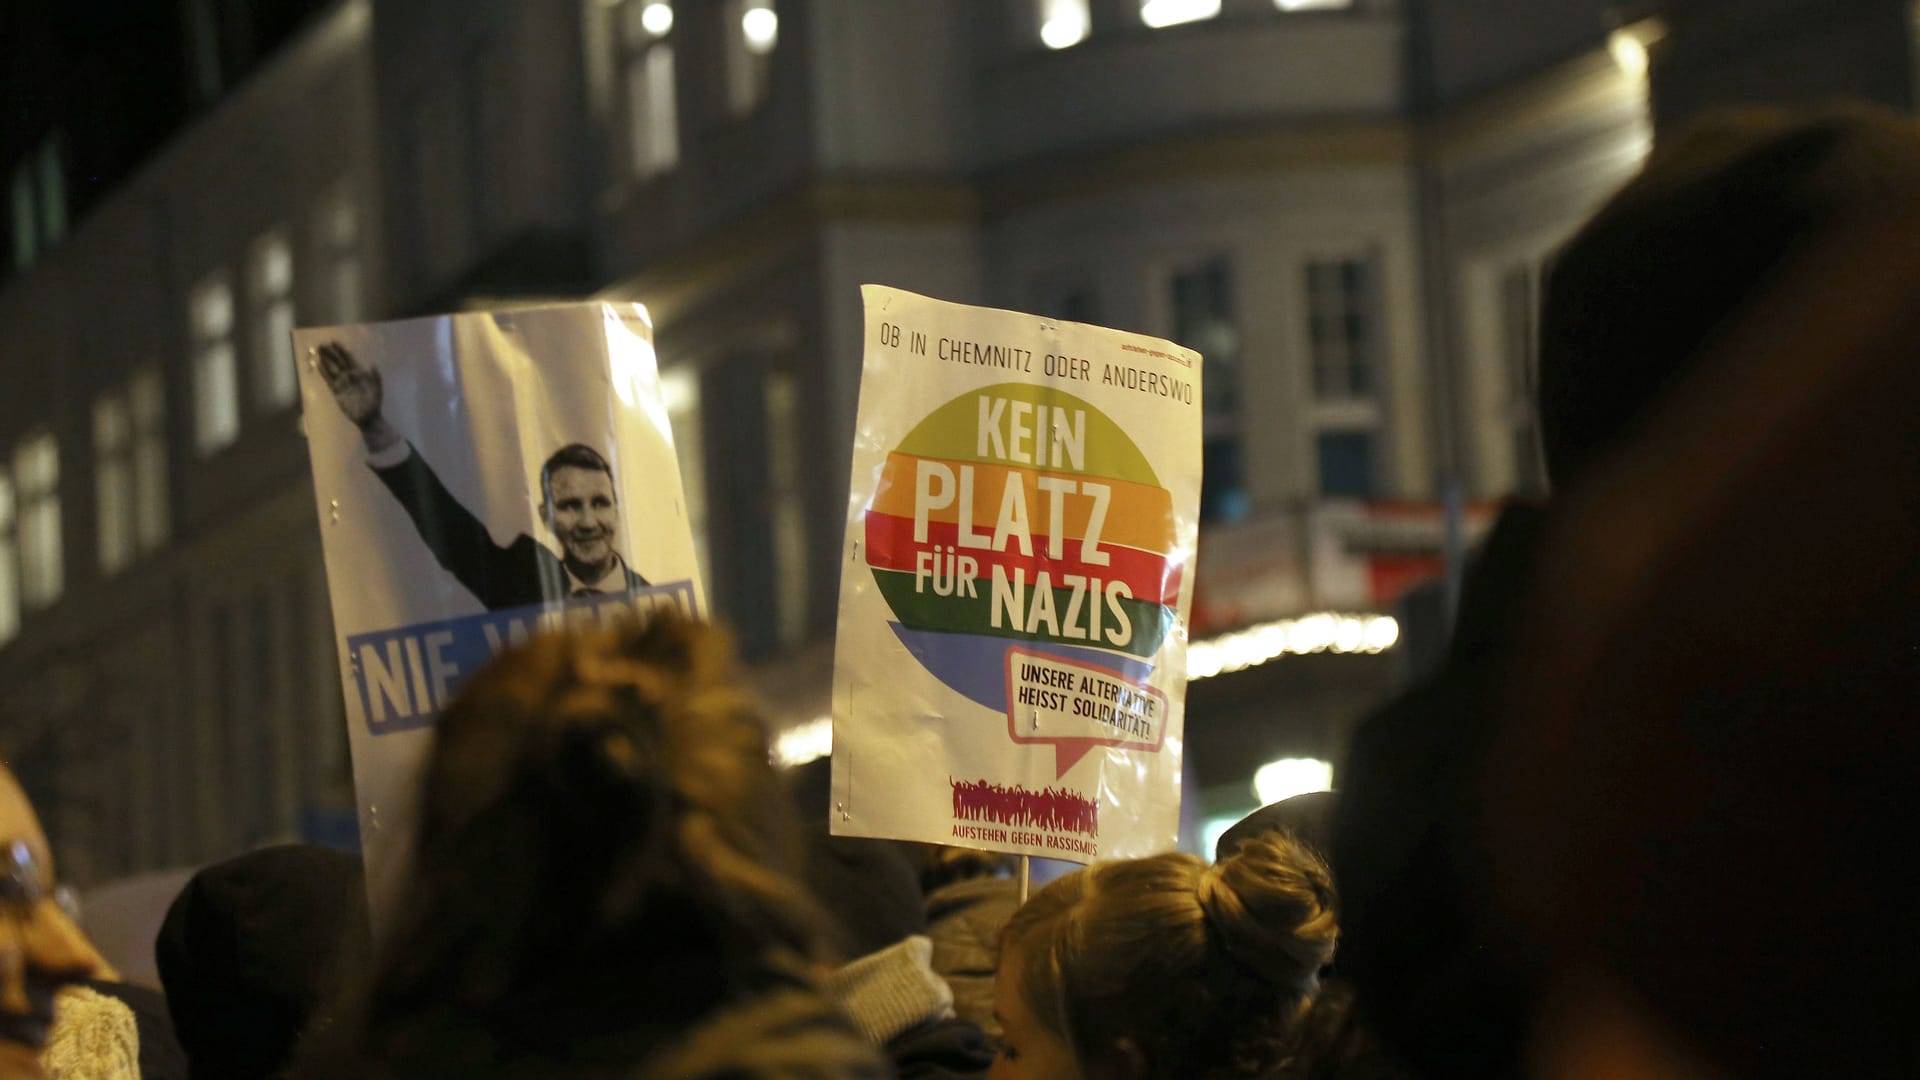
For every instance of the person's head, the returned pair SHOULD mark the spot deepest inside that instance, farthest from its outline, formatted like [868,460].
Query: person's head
[19,823]
[251,951]
[602,842]
[1700,774]
[940,865]
[1307,818]
[40,947]
[1677,255]
[581,504]
[1165,966]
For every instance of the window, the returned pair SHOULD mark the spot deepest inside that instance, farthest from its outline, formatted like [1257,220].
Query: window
[681,388]
[53,194]
[789,518]
[1203,319]
[1158,13]
[216,393]
[337,238]
[1342,339]
[37,203]
[1313,5]
[152,509]
[130,470]
[270,290]
[753,30]
[26,232]
[114,506]
[1520,357]
[1063,23]
[1339,307]
[36,476]
[443,211]
[1346,462]
[9,564]
[653,126]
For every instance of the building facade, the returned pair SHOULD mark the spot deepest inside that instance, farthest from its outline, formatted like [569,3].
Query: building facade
[1344,204]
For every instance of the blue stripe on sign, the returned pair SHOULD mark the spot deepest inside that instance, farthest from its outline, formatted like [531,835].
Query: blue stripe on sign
[404,677]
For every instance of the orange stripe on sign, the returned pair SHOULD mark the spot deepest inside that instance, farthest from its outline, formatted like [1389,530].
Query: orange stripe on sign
[890,546]
[1137,515]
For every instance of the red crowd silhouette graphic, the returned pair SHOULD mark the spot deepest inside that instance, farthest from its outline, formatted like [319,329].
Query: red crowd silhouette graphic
[1056,809]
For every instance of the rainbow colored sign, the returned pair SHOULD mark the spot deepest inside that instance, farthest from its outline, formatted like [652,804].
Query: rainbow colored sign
[1022,549]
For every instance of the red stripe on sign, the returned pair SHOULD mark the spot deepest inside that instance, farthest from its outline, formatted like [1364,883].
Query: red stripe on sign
[890,546]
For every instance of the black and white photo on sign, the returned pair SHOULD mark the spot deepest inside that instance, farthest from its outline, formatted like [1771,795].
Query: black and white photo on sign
[579,502]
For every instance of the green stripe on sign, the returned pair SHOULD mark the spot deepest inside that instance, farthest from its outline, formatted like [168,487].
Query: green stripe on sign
[974,614]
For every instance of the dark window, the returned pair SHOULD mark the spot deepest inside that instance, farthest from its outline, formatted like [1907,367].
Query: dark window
[1203,319]
[1346,464]
[1340,306]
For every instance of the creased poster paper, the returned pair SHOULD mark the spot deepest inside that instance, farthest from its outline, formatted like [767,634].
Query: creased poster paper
[480,477]
[1010,671]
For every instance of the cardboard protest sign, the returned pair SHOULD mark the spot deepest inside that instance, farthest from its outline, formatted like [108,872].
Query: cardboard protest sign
[480,477]
[1010,672]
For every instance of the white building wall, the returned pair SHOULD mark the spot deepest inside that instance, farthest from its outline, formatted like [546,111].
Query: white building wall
[1129,244]
[1127,86]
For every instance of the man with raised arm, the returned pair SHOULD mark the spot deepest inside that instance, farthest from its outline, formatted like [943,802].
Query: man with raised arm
[578,498]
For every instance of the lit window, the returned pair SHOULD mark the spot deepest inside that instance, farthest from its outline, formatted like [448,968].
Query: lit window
[216,393]
[784,453]
[681,388]
[653,127]
[1063,23]
[753,31]
[1203,320]
[270,289]
[9,565]
[337,236]
[1158,13]
[114,505]
[1520,347]
[53,194]
[26,232]
[36,476]
[1339,313]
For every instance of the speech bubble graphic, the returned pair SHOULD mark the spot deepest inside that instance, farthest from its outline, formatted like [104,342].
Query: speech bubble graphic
[1075,706]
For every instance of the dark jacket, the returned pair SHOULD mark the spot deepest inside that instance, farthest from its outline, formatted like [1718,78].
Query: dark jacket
[964,920]
[1410,857]
[523,572]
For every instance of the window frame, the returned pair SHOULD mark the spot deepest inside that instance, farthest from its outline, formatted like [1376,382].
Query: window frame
[642,58]
[37,516]
[214,354]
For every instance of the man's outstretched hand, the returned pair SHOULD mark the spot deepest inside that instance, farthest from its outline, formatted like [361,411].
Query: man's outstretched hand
[357,390]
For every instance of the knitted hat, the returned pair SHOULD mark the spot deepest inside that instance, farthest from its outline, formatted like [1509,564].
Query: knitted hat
[250,951]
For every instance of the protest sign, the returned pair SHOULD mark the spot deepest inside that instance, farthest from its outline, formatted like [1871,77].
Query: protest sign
[1010,668]
[480,477]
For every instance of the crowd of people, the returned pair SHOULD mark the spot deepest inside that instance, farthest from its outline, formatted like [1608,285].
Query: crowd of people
[1645,820]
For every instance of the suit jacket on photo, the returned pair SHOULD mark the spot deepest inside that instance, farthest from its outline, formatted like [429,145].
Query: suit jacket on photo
[521,573]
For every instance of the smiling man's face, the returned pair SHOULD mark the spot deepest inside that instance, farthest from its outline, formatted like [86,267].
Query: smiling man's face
[581,507]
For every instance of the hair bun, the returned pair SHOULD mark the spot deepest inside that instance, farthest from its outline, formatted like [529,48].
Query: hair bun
[1271,907]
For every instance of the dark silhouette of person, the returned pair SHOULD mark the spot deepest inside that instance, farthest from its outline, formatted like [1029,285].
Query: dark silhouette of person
[578,498]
